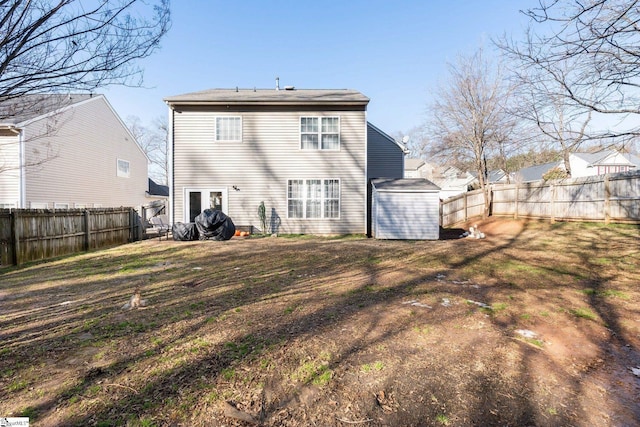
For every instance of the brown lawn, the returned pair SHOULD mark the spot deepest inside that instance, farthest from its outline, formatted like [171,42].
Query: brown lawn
[537,324]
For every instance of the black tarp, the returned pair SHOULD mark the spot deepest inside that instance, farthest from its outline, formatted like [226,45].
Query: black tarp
[215,225]
[184,232]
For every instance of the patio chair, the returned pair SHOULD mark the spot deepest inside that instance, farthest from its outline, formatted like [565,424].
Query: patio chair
[161,224]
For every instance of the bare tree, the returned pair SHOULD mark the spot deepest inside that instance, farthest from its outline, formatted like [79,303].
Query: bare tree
[591,49]
[470,118]
[74,45]
[153,141]
[558,121]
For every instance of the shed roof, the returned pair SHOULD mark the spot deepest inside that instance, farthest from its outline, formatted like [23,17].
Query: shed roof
[404,184]
[269,97]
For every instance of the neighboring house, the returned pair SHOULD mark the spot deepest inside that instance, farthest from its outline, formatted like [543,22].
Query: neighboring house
[602,162]
[452,181]
[68,151]
[418,168]
[585,164]
[157,200]
[307,154]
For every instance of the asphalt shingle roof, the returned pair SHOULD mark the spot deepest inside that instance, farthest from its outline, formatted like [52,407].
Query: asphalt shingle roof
[270,96]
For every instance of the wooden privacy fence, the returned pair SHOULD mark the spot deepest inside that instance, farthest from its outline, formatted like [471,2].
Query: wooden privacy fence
[601,198]
[35,234]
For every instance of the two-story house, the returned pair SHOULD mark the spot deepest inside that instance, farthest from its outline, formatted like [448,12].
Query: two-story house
[68,151]
[308,155]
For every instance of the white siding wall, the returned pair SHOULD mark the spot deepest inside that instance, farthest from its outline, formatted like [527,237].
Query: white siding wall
[406,215]
[9,169]
[260,166]
[81,159]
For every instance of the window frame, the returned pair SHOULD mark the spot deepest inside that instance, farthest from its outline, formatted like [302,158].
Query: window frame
[216,128]
[319,133]
[122,173]
[308,203]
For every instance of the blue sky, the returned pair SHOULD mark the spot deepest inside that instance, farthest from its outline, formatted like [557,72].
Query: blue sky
[394,52]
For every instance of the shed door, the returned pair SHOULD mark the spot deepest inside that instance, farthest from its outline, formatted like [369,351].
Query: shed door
[407,215]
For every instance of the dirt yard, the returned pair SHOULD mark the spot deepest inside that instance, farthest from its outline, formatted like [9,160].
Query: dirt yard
[535,325]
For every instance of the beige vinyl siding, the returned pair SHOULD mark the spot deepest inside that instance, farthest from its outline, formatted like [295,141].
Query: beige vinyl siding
[268,156]
[9,168]
[81,159]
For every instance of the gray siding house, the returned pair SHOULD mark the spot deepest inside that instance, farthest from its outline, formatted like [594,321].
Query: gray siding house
[68,151]
[306,154]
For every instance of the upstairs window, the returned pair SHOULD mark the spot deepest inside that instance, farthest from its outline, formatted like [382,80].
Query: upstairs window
[229,129]
[320,133]
[123,168]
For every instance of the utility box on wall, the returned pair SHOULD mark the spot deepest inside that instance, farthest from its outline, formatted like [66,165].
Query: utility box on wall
[405,209]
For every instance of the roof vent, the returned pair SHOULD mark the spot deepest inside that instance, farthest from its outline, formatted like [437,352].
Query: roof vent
[277,83]
[289,88]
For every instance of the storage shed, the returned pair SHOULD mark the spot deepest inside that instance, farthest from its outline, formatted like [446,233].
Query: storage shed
[406,208]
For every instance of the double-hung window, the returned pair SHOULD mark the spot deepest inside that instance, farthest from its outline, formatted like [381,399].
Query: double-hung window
[229,128]
[320,133]
[313,198]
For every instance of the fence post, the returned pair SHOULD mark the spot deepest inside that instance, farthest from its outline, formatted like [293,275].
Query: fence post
[87,231]
[515,214]
[552,207]
[607,199]
[465,206]
[15,238]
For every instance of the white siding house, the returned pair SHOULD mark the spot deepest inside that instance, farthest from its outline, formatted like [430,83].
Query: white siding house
[68,151]
[301,152]
[405,209]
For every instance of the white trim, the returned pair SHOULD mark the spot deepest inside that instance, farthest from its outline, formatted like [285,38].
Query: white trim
[172,196]
[38,205]
[22,169]
[57,205]
[204,200]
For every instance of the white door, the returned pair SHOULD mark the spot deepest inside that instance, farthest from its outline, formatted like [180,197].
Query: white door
[197,200]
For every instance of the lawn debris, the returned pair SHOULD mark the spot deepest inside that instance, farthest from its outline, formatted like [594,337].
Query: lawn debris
[636,371]
[417,304]
[473,233]
[526,333]
[446,302]
[480,304]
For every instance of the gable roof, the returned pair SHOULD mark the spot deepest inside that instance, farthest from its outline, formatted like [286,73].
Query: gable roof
[535,173]
[270,97]
[387,137]
[600,157]
[17,111]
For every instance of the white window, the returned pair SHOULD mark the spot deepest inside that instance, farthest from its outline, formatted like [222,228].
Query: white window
[7,205]
[229,128]
[123,168]
[313,198]
[39,205]
[61,205]
[320,133]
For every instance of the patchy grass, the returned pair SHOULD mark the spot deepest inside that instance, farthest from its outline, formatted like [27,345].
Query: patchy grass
[304,330]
